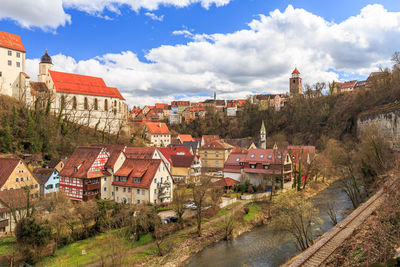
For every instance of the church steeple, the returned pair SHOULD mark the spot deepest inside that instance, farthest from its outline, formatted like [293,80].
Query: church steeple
[263,136]
[45,65]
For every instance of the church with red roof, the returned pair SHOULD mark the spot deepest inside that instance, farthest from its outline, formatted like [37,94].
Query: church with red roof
[85,99]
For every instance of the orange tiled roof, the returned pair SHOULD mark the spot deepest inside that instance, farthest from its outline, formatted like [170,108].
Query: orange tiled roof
[185,138]
[12,41]
[217,144]
[227,181]
[80,162]
[296,71]
[167,152]
[140,152]
[157,128]
[210,138]
[81,84]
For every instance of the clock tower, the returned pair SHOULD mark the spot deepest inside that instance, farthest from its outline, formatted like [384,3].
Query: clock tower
[296,84]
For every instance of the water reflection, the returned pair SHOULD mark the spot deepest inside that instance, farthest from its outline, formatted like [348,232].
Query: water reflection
[262,247]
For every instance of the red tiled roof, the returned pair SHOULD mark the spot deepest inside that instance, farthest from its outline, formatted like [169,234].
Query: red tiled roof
[81,84]
[217,144]
[161,105]
[239,150]
[210,138]
[26,75]
[185,138]
[167,152]
[140,152]
[157,128]
[232,164]
[347,84]
[80,162]
[12,41]
[184,161]
[15,199]
[227,181]
[145,169]
[266,156]
[296,71]
[7,166]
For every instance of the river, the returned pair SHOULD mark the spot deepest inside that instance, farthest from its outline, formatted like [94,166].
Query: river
[262,247]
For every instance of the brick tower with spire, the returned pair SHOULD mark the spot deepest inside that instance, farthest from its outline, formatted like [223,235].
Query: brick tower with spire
[296,83]
[263,136]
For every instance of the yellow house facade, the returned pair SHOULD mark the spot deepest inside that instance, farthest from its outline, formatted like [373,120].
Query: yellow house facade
[214,155]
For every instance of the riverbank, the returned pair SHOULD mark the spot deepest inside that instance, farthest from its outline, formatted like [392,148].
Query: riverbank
[186,247]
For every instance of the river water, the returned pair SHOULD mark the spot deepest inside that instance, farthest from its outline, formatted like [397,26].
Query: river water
[263,247]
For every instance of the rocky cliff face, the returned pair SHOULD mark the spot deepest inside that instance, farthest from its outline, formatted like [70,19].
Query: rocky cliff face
[388,123]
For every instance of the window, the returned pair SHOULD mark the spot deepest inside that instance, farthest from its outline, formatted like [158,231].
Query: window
[9,52]
[252,156]
[138,191]
[22,179]
[105,189]
[96,104]
[155,201]
[142,191]
[1,74]
[279,156]
[117,199]
[124,189]
[16,180]
[105,179]
[74,103]
[9,63]
[116,188]
[18,64]
[261,156]
[155,180]
[205,153]
[57,185]
[216,154]
[18,54]
[155,191]
[266,167]
[270,156]
[129,190]
[106,105]
[85,104]
[252,166]
[138,201]
[238,159]
[216,163]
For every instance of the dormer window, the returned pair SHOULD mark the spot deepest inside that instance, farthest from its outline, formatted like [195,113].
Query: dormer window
[252,166]
[266,167]
[279,156]
[261,156]
[269,156]
[252,156]
[238,159]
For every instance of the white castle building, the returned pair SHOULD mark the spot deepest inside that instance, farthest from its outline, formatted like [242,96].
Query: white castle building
[81,99]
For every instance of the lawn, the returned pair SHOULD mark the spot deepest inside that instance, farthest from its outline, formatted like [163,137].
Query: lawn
[94,248]
[254,210]
[6,245]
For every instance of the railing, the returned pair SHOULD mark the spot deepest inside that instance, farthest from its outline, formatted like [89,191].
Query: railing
[164,194]
[91,187]
[163,185]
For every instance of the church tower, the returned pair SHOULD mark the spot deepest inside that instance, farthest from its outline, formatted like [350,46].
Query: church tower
[296,84]
[45,65]
[263,136]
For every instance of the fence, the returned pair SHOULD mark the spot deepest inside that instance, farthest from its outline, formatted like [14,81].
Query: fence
[255,196]
[227,202]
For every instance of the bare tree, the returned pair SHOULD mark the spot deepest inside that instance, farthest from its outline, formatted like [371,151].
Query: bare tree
[331,210]
[178,203]
[293,214]
[199,193]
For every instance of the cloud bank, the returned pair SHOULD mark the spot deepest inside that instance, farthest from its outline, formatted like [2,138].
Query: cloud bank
[258,58]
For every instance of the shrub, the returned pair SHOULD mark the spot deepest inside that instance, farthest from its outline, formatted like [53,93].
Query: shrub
[246,209]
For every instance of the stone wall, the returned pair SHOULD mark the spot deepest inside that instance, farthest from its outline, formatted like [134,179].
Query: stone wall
[388,123]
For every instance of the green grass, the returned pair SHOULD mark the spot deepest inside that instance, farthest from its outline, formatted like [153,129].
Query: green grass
[254,210]
[71,255]
[7,245]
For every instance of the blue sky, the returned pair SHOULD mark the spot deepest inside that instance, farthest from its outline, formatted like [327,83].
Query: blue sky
[92,40]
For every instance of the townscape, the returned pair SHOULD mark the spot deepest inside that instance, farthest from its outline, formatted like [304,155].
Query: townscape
[87,179]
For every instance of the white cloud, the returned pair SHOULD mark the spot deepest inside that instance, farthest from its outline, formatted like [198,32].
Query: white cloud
[47,15]
[259,58]
[154,16]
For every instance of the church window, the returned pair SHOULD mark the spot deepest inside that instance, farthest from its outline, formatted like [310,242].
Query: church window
[106,105]
[74,103]
[96,104]
[85,103]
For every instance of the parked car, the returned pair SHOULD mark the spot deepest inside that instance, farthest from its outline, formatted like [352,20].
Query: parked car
[170,219]
[190,205]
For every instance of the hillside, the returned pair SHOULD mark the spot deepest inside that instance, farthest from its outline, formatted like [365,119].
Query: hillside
[37,131]
[308,119]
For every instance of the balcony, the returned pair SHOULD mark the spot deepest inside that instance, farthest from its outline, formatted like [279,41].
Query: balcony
[163,185]
[91,187]
[164,194]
